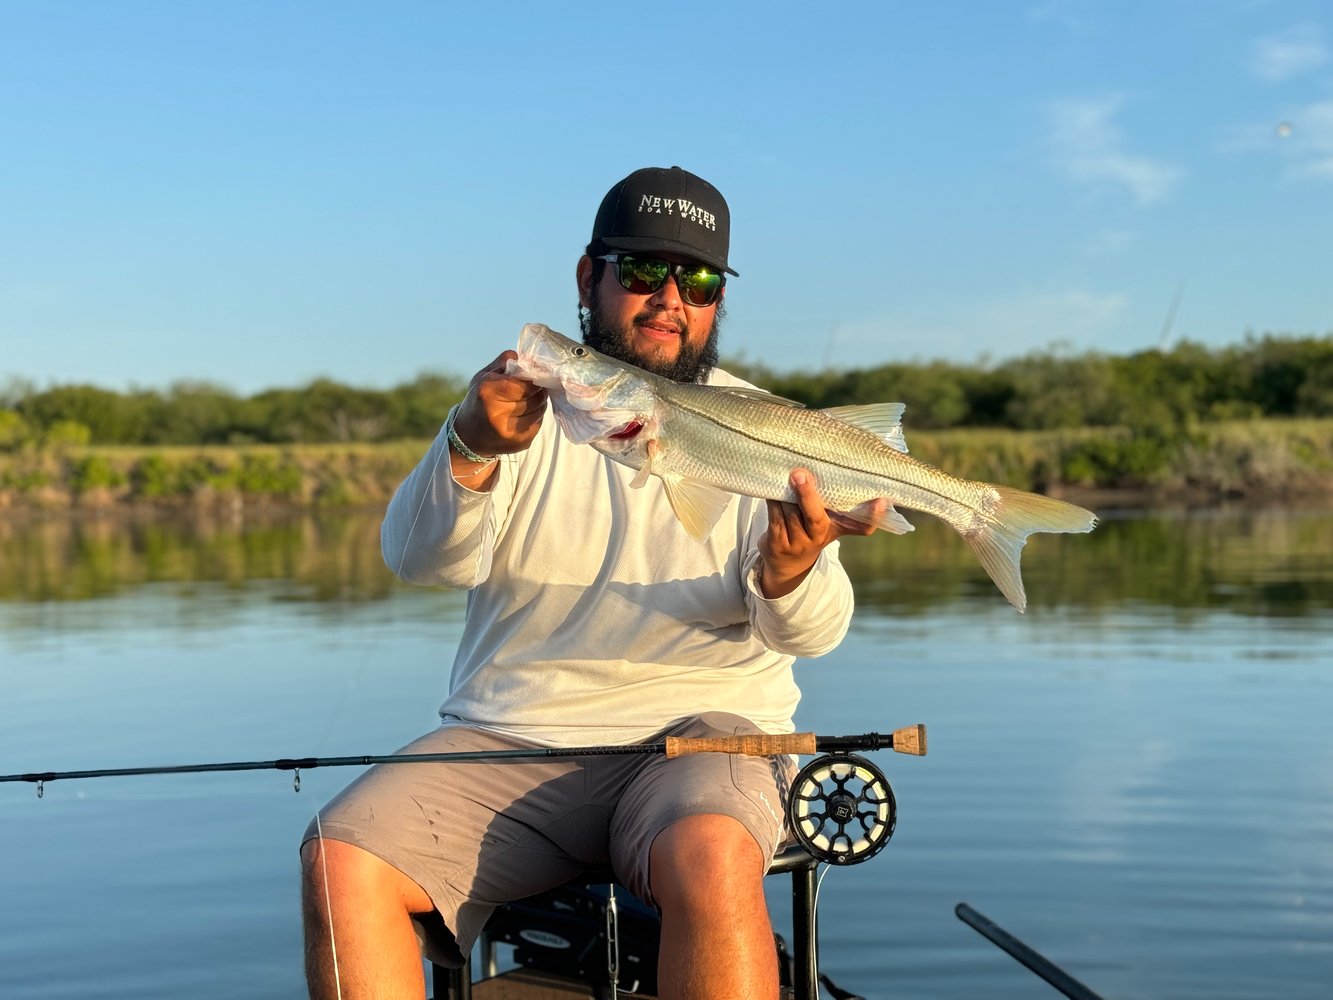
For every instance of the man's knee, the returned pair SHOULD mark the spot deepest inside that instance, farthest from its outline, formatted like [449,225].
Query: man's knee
[696,857]
[333,869]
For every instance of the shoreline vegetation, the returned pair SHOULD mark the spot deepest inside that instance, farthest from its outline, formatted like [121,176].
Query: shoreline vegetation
[1252,421]
[1259,460]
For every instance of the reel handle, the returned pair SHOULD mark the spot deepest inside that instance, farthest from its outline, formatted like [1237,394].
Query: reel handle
[753,745]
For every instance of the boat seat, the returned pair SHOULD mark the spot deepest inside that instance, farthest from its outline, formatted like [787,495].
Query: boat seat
[456,984]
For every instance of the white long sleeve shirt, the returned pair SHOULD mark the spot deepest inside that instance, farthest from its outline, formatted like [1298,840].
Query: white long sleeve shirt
[593,617]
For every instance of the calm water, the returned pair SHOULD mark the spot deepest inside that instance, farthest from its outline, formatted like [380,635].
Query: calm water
[1136,777]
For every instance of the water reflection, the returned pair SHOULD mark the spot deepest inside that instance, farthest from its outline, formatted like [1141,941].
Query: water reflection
[1252,562]
[1134,777]
[314,557]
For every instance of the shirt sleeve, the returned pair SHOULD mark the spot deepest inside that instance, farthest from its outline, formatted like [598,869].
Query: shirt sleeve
[437,531]
[813,618]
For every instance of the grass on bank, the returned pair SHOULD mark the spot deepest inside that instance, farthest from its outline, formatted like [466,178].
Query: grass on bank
[1260,458]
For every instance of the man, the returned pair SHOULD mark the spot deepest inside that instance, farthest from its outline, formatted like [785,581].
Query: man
[592,618]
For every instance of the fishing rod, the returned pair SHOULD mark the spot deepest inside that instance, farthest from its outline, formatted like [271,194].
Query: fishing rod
[908,740]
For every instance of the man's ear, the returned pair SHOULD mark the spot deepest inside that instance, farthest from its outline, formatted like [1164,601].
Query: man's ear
[583,275]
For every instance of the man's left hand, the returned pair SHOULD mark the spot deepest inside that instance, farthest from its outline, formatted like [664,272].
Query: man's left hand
[797,533]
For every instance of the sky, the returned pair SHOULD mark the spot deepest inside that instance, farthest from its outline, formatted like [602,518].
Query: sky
[257,194]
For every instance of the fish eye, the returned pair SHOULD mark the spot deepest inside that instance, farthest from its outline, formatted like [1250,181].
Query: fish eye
[580,352]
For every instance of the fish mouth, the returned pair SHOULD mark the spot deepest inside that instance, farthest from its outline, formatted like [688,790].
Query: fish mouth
[541,355]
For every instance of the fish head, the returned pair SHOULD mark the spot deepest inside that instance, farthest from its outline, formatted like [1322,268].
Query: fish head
[553,361]
[594,396]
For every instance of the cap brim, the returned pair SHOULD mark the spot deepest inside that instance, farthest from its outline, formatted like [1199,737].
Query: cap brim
[668,246]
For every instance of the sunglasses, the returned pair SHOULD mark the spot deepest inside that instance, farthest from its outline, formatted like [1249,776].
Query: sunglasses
[699,284]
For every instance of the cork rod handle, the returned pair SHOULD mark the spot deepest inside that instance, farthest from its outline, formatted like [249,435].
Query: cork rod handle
[755,745]
[910,739]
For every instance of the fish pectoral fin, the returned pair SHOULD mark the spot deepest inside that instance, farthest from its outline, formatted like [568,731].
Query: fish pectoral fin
[889,520]
[697,505]
[884,420]
[641,477]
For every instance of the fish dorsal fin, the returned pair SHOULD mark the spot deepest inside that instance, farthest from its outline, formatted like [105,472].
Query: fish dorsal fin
[697,505]
[884,420]
[745,392]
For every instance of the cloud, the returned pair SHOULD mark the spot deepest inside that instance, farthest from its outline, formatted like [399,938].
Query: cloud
[1288,53]
[1108,242]
[1072,15]
[1311,141]
[1088,148]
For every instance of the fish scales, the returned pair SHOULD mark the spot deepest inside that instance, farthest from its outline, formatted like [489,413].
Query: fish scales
[747,445]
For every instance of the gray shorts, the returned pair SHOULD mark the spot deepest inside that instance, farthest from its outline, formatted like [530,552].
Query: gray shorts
[476,835]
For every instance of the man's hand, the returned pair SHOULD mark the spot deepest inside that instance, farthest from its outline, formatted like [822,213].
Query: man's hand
[797,533]
[500,414]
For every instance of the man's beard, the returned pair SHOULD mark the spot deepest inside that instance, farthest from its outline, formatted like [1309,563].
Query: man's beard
[691,364]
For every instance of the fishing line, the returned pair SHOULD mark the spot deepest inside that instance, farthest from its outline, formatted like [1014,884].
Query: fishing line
[354,680]
[814,918]
[328,904]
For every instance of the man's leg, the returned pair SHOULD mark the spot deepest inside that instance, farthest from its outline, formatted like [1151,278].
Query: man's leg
[707,876]
[447,840]
[359,939]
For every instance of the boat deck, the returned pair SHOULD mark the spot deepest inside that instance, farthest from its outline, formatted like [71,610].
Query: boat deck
[525,984]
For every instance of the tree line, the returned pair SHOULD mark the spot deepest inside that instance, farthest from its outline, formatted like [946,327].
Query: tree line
[1158,390]
[195,413]
[1268,376]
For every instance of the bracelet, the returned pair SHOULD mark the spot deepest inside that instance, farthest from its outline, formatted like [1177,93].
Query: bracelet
[463,449]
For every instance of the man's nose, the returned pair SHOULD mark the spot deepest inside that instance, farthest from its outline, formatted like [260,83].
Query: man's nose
[668,296]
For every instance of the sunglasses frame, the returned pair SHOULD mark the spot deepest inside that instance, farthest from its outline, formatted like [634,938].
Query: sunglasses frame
[676,271]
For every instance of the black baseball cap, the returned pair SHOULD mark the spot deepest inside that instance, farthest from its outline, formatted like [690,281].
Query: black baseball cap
[665,208]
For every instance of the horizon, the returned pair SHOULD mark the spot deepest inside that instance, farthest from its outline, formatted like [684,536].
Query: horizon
[12,384]
[259,197]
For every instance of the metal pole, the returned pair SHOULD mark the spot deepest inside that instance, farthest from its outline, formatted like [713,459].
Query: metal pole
[1017,950]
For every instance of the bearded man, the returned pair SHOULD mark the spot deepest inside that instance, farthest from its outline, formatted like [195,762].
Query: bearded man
[593,618]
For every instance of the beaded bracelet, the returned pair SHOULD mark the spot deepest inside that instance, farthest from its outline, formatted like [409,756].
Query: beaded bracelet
[463,449]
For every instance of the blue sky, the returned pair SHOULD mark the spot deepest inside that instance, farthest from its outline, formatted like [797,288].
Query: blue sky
[260,193]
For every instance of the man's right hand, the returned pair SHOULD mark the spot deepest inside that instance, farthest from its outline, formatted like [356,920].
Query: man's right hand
[500,414]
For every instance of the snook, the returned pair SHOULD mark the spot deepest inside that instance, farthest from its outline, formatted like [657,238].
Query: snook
[707,442]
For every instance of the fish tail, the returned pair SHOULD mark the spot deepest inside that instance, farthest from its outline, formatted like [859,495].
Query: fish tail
[998,539]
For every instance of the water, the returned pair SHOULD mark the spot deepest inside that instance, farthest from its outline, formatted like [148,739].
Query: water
[1135,778]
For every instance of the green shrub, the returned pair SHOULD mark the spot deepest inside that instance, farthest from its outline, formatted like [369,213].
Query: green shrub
[1117,460]
[152,477]
[67,434]
[264,474]
[14,431]
[93,472]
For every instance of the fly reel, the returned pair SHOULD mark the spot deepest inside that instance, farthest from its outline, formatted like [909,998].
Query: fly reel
[842,809]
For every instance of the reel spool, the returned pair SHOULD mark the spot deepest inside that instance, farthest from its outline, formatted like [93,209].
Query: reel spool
[842,809]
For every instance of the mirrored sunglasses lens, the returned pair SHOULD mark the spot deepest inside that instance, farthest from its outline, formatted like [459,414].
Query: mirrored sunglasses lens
[699,286]
[642,276]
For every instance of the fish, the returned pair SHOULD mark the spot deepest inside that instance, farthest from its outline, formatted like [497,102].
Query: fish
[707,443]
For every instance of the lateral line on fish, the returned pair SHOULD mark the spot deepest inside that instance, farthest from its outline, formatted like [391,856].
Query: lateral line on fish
[846,467]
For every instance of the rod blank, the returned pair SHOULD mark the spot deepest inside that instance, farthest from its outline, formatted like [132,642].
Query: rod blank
[910,740]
